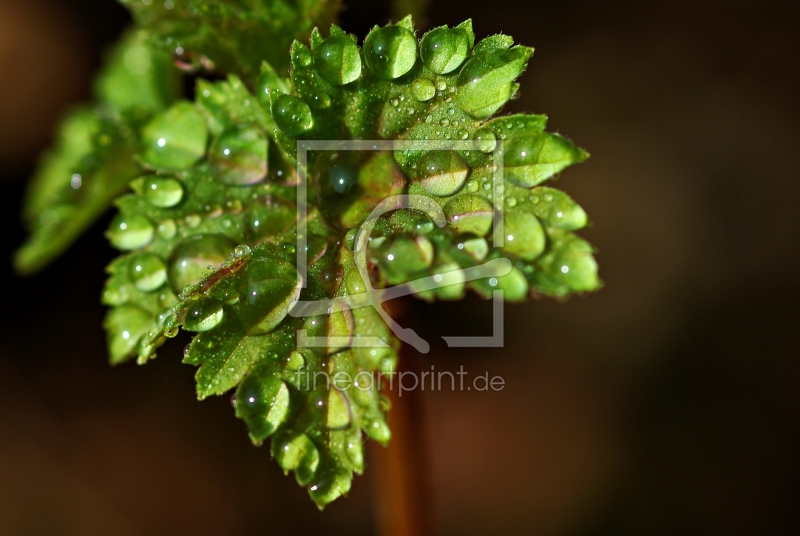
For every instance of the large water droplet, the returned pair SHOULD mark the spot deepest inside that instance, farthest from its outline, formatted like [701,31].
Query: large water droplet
[203,315]
[239,155]
[130,231]
[513,284]
[443,50]
[190,259]
[167,229]
[337,60]
[269,217]
[292,115]
[147,272]
[469,213]
[269,287]
[332,278]
[390,52]
[162,192]
[423,89]
[485,140]
[443,172]
[485,81]
[176,138]
[524,235]
[405,257]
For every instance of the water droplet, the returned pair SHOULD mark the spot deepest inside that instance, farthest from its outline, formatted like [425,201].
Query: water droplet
[394,102]
[441,85]
[428,118]
[469,213]
[130,231]
[443,50]
[423,89]
[319,100]
[203,315]
[442,172]
[472,186]
[485,140]
[269,217]
[337,60]
[268,287]
[193,220]
[162,192]
[332,278]
[485,82]
[239,156]
[390,52]
[292,115]
[167,229]
[525,235]
[444,122]
[511,202]
[241,251]
[175,139]
[189,260]
[147,272]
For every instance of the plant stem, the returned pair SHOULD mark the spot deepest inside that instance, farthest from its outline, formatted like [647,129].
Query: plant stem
[403,497]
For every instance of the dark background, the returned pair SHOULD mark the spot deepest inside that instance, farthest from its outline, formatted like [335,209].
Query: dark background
[668,403]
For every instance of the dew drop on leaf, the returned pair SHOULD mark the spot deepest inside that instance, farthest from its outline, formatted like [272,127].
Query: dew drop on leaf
[443,50]
[423,89]
[469,213]
[292,115]
[167,229]
[485,140]
[241,251]
[190,259]
[337,60]
[524,235]
[390,52]
[268,288]
[130,231]
[162,192]
[147,272]
[320,100]
[442,172]
[175,139]
[239,156]
[269,217]
[203,315]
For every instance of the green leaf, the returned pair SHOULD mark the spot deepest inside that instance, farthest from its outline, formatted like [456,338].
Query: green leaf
[231,36]
[308,400]
[92,160]
[210,231]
